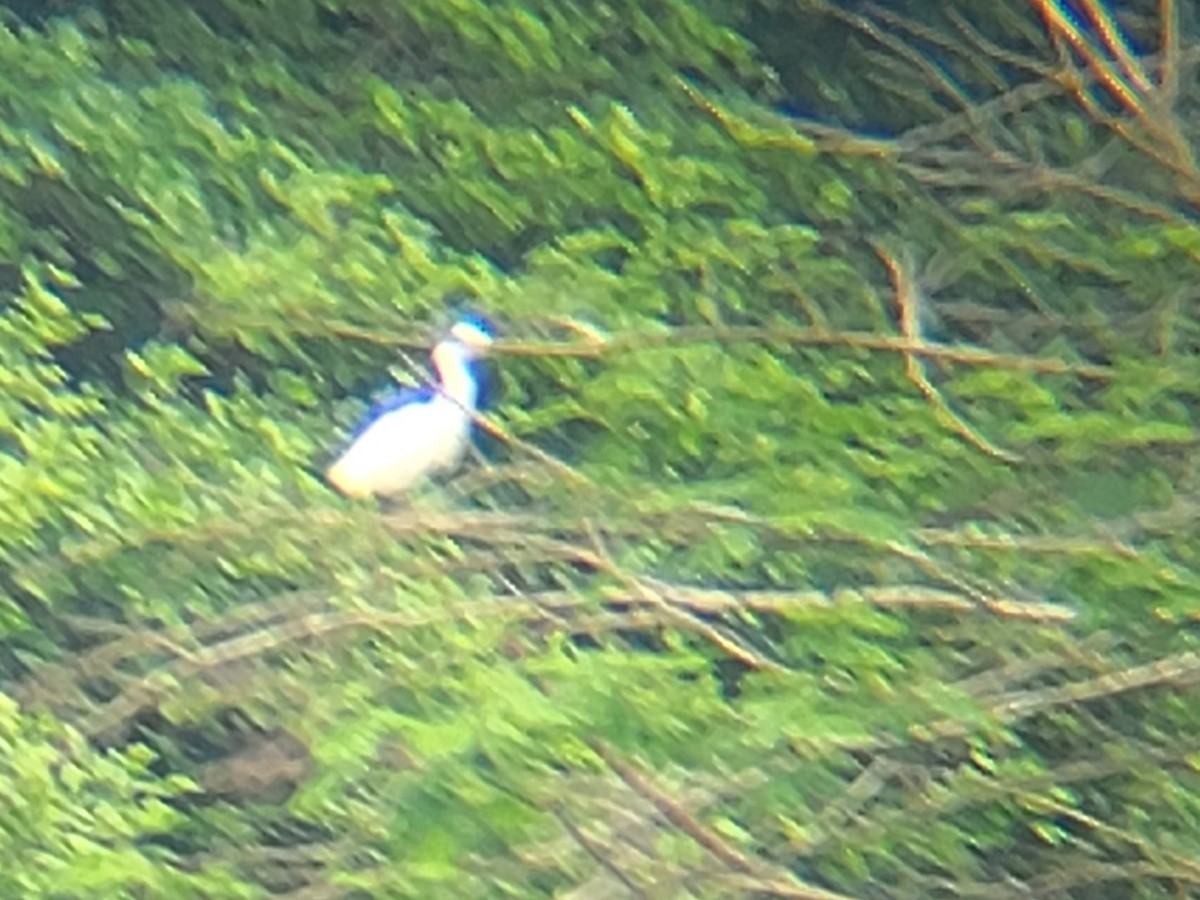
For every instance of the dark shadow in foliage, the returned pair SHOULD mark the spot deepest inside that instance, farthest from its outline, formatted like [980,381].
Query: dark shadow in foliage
[36,13]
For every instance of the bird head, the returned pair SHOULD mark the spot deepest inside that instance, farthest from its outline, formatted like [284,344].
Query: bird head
[474,334]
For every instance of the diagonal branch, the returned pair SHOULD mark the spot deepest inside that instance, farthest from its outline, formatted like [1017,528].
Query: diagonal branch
[781,883]
[910,326]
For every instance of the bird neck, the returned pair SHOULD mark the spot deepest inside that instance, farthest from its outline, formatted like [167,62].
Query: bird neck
[453,364]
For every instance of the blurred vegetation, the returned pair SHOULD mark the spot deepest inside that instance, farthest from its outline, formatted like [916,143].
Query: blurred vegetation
[836,531]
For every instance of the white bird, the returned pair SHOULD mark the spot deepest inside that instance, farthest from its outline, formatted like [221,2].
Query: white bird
[415,433]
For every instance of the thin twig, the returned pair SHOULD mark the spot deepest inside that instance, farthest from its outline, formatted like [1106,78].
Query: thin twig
[1117,45]
[592,847]
[784,884]
[902,284]
[645,590]
[807,337]
[1170,61]
[1026,543]
[1060,23]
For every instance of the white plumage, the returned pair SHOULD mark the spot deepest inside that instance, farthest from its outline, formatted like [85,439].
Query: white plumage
[401,447]
[416,433]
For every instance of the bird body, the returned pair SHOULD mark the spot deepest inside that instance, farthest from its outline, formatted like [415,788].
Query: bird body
[414,433]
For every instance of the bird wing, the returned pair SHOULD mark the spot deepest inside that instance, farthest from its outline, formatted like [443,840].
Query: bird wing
[391,402]
[400,447]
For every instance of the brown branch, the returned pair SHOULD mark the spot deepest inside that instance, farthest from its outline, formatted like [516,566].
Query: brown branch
[1178,670]
[853,340]
[1079,873]
[869,783]
[592,847]
[1042,544]
[1059,23]
[632,342]
[249,522]
[910,326]
[1170,62]
[1118,46]
[149,691]
[644,590]
[1149,849]
[783,883]
[898,596]
[942,797]
[1167,143]
[984,597]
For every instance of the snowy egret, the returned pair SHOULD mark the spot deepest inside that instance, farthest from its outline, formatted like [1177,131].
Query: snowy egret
[414,433]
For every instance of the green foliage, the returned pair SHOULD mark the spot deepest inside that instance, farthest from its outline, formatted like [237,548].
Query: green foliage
[838,528]
[78,822]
